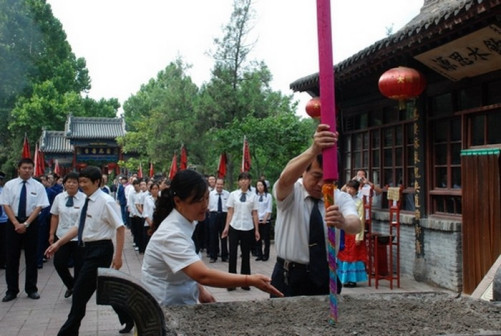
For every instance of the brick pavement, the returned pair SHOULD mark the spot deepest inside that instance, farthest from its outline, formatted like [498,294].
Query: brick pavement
[44,317]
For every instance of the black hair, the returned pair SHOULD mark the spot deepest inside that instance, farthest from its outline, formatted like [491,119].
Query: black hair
[354,184]
[25,160]
[319,158]
[70,175]
[265,186]
[244,175]
[154,184]
[92,173]
[186,184]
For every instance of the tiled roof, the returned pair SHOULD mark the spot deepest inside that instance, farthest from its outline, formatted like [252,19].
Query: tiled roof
[437,18]
[55,142]
[89,128]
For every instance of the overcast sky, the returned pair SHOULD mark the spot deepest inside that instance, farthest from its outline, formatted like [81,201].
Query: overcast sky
[127,42]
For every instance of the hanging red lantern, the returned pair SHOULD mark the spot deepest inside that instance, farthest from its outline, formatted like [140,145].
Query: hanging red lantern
[402,83]
[313,107]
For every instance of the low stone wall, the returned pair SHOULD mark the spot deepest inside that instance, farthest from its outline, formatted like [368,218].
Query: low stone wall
[442,249]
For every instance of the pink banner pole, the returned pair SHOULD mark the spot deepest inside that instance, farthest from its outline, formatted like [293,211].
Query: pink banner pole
[328,116]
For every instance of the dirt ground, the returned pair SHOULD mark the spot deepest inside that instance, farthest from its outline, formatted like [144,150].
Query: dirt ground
[374,314]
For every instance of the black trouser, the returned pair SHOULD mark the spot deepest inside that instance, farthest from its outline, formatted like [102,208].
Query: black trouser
[3,249]
[66,253]
[246,240]
[296,279]
[137,224]
[217,221]
[201,235]
[94,255]
[264,233]
[14,243]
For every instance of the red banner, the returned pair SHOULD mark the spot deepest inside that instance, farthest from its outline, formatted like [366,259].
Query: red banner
[26,148]
[39,163]
[184,159]
[152,170]
[221,169]
[140,171]
[57,169]
[173,167]
[246,158]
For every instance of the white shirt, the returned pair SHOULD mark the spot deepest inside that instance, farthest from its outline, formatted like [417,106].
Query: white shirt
[264,206]
[292,223]
[103,217]
[134,198]
[148,208]
[242,211]
[214,199]
[36,196]
[68,216]
[169,251]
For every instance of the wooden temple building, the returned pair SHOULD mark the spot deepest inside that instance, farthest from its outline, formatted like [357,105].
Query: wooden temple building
[84,141]
[442,147]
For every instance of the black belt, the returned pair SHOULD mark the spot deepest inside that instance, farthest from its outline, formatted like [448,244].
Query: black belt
[289,265]
[94,243]
[217,212]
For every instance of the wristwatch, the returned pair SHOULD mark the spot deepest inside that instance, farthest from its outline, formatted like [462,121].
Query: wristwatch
[26,224]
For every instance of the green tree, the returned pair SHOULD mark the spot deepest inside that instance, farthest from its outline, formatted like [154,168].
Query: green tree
[160,117]
[40,78]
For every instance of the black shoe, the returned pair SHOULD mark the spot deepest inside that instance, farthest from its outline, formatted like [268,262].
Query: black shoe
[229,289]
[212,260]
[128,327]
[246,288]
[259,258]
[9,297]
[34,295]
[224,259]
[266,258]
[68,293]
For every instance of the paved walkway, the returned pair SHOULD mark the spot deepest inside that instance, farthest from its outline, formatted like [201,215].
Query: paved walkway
[44,317]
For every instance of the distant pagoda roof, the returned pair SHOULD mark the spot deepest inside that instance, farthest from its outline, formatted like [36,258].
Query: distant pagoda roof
[437,22]
[55,142]
[94,128]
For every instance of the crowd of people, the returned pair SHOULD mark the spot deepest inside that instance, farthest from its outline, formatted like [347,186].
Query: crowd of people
[80,220]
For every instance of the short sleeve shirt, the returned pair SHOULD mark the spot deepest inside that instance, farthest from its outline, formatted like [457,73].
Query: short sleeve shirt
[103,217]
[169,251]
[292,223]
[68,216]
[242,211]
[36,196]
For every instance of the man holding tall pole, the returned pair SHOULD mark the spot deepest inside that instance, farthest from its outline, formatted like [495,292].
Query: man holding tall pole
[300,234]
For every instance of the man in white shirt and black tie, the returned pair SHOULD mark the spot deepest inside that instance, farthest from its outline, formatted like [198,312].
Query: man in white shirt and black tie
[217,220]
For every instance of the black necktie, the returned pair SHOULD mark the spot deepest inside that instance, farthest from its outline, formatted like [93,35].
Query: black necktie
[319,267]
[21,211]
[261,198]
[69,201]
[242,197]
[219,204]
[82,221]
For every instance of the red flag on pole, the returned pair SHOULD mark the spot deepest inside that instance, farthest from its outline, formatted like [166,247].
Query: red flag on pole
[57,169]
[173,167]
[221,169]
[152,170]
[38,162]
[26,148]
[140,171]
[183,164]
[246,158]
